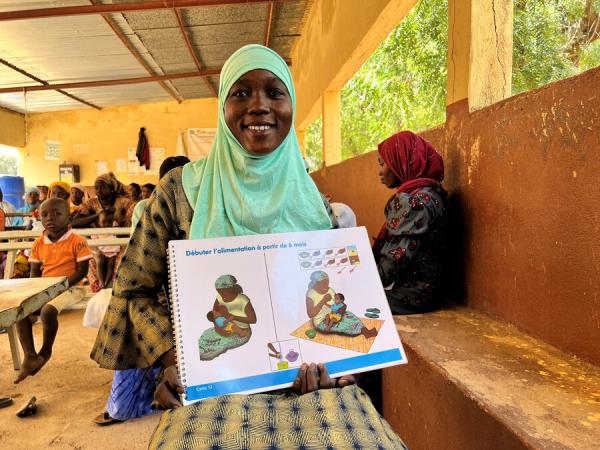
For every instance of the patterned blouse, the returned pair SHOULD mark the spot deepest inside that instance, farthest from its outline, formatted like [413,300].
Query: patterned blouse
[136,329]
[411,258]
[123,210]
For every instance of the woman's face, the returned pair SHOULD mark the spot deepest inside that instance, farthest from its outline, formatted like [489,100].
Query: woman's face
[103,190]
[258,111]
[386,176]
[322,286]
[76,196]
[58,192]
[33,198]
[228,294]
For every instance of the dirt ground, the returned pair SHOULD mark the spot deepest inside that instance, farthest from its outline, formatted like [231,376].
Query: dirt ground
[71,390]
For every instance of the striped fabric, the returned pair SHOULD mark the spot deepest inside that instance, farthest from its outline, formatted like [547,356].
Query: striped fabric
[132,393]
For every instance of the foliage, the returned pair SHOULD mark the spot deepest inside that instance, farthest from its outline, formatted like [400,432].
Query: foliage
[403,84]
[8,165]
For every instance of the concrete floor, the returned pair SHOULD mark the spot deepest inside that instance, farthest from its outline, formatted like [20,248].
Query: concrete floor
[71,390]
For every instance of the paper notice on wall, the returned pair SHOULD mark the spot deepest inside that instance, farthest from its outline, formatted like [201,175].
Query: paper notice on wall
[157,156]
[199,142]
[101,167]
[121,164]
[133,165]
[52,151]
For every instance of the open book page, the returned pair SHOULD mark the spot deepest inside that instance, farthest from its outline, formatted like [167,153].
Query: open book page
[249,310]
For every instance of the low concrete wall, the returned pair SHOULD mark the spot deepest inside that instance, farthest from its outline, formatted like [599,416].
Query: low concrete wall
[524,183]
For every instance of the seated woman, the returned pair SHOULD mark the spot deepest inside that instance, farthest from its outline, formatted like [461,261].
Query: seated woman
[409,247]
[253,181]
[110,200]
[59,189]
[320,298]
[231,314]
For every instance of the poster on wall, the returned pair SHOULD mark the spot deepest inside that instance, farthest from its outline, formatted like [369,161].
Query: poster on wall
[52,151]
[157,156]
[121,164]
[101,167]
[199,142]
[133,165]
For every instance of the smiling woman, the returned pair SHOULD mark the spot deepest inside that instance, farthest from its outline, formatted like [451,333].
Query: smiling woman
[252,182]
[258,111]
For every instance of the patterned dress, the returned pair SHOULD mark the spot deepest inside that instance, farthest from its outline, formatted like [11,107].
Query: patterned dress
[411,257]
[136,331]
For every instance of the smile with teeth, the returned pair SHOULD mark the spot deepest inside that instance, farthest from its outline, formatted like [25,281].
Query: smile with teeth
[259,127]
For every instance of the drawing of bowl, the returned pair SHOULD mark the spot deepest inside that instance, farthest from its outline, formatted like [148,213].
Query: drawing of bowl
[304,254]
[310,333]
[317,263]
[292,356]
[330,262]
[305,264]
[343,260]
[317,253]
[341,250]
[329,252]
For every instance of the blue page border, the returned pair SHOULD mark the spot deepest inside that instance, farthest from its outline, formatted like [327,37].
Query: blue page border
[202,391]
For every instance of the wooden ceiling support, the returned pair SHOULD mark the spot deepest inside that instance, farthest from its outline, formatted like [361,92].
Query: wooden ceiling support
[108,8]
[122,81]
[45,84]
[111,23]
[192,51]
[270,7]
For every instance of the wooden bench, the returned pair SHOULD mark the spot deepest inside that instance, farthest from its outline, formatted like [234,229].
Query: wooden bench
[474,382]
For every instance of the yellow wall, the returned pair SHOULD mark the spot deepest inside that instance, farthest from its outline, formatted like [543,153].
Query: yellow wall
[12,128]
[90,135]
[339,36]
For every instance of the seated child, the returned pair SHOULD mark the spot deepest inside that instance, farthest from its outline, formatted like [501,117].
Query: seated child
[337,311]
[58,252]
[105,256]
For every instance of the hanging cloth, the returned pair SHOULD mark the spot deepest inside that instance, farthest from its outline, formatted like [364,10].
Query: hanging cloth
[143,150]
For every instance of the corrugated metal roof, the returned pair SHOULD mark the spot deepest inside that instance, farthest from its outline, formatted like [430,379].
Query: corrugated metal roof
[84,48]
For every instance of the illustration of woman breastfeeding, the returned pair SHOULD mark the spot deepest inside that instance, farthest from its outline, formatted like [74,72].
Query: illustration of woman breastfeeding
[231,314]
[320,299]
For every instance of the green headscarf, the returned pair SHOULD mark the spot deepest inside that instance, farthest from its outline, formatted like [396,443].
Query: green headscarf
[234,193]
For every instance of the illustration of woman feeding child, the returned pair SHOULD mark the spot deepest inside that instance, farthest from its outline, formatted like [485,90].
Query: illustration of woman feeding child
[328,312]
[231,314]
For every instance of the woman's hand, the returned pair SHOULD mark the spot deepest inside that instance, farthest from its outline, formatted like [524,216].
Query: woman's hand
[315,376]
[166,395]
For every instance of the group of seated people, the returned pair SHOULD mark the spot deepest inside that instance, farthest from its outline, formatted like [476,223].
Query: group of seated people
[253,181]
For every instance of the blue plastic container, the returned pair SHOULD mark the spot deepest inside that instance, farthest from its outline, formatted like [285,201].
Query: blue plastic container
[13,189]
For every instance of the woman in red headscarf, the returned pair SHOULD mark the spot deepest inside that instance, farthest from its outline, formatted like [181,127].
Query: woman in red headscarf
[409,247]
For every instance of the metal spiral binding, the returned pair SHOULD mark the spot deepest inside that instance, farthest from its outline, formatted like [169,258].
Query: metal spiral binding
[175,319]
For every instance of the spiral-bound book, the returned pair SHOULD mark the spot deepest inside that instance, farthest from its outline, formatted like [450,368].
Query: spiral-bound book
[249,310]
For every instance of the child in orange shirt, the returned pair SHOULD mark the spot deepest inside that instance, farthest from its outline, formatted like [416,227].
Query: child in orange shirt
[58,252]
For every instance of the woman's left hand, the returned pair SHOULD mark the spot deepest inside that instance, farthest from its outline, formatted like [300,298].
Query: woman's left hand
[315,376]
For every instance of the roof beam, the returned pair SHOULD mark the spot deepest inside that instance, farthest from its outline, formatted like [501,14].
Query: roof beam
[118,32]
[269,22]
[44,84]
[192,51]
[108,8]
[101,83]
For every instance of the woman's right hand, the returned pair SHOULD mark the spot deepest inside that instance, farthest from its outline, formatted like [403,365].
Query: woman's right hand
[166,395]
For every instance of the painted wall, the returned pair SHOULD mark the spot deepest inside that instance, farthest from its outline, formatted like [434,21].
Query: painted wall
[524,183]
[327,54]
[12,128]
[90,135]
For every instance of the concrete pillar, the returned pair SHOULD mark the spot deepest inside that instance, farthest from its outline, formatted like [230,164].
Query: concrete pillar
[479,51]
[332,128]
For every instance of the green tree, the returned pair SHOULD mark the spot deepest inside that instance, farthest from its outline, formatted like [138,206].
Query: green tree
[403,84]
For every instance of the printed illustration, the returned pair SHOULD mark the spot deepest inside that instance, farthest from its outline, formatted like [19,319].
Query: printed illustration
[284,354]
[231,314]
[328,257]
[331,322]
